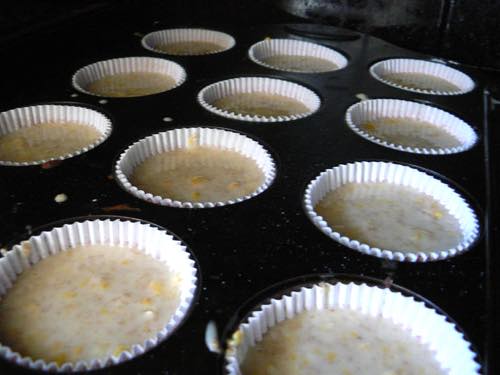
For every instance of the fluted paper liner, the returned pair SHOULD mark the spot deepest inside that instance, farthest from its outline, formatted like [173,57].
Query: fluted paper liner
[218,90]
[181,138]
[291,47]
[433,69]
[93,72]
[371,110]
[152,40]
[390,173]
[448,345]
[151,240]
[25,117]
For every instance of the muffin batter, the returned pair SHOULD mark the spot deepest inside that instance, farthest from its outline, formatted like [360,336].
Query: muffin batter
[88,303]
[390,217]
[198,174]
[261,104]
[46,140]
[410,132]
[339,342]
[421,81]
[304,64]
[192,47]
[131,84]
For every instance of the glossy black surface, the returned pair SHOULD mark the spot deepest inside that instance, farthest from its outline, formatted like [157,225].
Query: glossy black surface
[461,30]
[243,248]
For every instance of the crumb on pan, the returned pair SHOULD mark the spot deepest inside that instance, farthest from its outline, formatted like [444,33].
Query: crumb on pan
[211,338]
[120,207]
[362,96]
[51,164]
[60,198]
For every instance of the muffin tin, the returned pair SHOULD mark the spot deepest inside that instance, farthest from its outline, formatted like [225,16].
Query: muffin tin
[365,297]
[177,139]
[244,248]
[25,117]
[148,239]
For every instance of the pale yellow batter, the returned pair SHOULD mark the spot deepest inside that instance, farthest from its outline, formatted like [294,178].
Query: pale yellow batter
[390,217]
[131,84]
[421,81]
[199,174]
[304,64]
[46,140]
[339,342]
[88,303]
[261,104]
[190,48]
[410,132]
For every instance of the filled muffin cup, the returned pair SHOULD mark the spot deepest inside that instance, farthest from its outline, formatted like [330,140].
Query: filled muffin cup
[451,350]
[427,70]
[154,41]
[269,48]
[153,241]
[186,138]
[368,111]
[395,175]
[262,85]
[25,117]
[94,72]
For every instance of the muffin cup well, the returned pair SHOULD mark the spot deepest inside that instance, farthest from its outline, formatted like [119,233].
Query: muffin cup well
[462,81]
[151,240]
[396,174]
[152,40]
[25,117]
[291,47]
[182,138]
[93,72]
[451,349]
[370,110]
[208,95]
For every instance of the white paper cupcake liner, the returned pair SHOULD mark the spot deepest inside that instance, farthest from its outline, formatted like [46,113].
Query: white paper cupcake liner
[390,173]
[454,76]
[151,240]
[152,40]
[449,346]
[181,138]
[93,72]
[25,117]
[291,47]
[208,95]
[371,110]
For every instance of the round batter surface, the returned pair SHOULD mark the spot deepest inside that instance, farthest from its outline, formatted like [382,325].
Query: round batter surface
[261,104]
[304,64]
[46,140]
[390,217]
[339,342]
[421,81]
[198,174]
[410,133]
[88,303]
[131,84]
[190,48]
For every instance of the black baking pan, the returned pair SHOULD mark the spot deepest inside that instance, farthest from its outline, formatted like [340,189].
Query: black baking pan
[243,248]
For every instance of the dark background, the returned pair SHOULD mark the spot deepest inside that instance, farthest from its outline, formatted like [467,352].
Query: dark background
[463,30]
